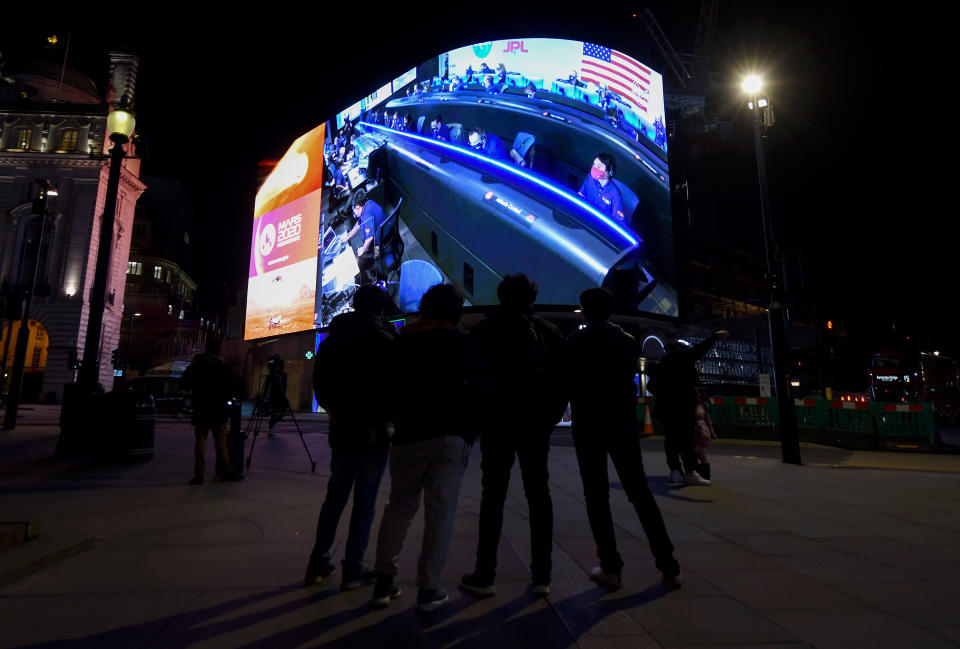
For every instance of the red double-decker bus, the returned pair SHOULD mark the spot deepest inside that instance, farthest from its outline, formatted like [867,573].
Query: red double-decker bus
[904,377]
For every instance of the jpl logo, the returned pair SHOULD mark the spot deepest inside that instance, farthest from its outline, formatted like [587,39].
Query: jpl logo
[514,46]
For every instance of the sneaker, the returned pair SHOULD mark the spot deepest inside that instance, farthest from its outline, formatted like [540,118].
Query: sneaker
[541,589]
[606,579]
[197,478]
[673,582]
[675,477]
[317,572]
[384,591]
[429,599]
[694,479]
[478,585]
[354,581]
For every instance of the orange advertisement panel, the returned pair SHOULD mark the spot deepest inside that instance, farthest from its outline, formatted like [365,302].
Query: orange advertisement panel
[299,172]
[282,278]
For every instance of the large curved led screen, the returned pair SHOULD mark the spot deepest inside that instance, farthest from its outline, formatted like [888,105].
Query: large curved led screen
[542,156]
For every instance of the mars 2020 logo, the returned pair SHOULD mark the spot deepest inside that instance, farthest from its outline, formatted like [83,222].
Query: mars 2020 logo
[268,237]
[482,49]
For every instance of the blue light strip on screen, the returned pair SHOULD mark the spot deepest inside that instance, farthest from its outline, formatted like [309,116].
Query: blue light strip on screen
[626,234]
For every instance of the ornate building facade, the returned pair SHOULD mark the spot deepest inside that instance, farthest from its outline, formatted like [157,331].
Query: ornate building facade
[53,127]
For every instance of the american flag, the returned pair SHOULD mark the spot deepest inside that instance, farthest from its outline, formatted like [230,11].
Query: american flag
[621,74]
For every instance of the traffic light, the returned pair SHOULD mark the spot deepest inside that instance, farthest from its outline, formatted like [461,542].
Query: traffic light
[72,362]
[115,358]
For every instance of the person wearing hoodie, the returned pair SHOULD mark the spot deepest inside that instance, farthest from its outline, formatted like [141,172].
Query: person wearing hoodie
[350,375]
[602,362]
[435,419]
[212,384]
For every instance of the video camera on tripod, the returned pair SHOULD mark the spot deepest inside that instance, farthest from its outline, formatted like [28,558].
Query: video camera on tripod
[272,402]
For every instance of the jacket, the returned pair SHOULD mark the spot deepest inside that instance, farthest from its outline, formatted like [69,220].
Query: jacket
[522,355]
[442,388]
[212,384]
[351,380]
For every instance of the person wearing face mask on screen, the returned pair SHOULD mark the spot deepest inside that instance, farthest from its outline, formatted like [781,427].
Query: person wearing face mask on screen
[599,190]
[488,145]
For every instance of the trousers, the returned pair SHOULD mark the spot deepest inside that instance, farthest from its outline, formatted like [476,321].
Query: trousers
[220,444]
[360,472]
[595,440]
[433,468]
[500,448]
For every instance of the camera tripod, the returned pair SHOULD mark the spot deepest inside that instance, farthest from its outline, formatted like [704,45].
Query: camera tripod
[262,409]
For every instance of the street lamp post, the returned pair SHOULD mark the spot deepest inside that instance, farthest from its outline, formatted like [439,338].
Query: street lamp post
[23,337]
[120,125]
[789,437]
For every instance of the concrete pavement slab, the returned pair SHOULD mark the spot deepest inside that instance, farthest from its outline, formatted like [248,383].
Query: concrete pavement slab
[919,602]
[776,588]
[127,619]
[721,620]
[854,627]
[840,568]
[845,543]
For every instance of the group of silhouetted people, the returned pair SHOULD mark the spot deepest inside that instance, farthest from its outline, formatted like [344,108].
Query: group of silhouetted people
[418,399]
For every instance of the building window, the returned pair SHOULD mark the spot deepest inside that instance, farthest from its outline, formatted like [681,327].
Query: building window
[168,276]
[24,135]
[186,238]
[169,309]
[38,335]
[134,268]
[37,352]
[157,272]
[68,140]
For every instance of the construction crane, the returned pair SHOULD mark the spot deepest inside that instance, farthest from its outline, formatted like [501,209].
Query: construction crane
[690,72]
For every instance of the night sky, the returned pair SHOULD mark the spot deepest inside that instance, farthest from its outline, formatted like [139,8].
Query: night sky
[851,183]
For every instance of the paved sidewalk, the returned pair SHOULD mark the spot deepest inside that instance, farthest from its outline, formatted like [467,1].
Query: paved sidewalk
[775,556]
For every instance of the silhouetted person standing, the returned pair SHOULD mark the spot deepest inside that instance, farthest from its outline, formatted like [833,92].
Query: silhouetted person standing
[522,356]
[436,405]
[351,376]
[212,384]
[602,363]
[673,383]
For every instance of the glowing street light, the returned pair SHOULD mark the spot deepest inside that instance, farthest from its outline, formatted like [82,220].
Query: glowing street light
[789,438]
[752,84]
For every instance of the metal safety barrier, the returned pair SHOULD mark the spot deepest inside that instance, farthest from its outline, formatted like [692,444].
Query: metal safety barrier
[884,422]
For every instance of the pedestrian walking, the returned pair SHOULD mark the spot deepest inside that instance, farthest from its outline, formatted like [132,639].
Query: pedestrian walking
[703,432]
[212,384]
[673,383]
[522,355]
[351,372]
[435,414]
[602,361]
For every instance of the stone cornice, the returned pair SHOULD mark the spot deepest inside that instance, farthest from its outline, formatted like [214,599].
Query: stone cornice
[30,159]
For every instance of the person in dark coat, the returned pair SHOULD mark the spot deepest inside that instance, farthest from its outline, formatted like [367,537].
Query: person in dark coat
[602,362]
[436,407]
[212,383]
[522,355]
[673,383]
[350,377]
